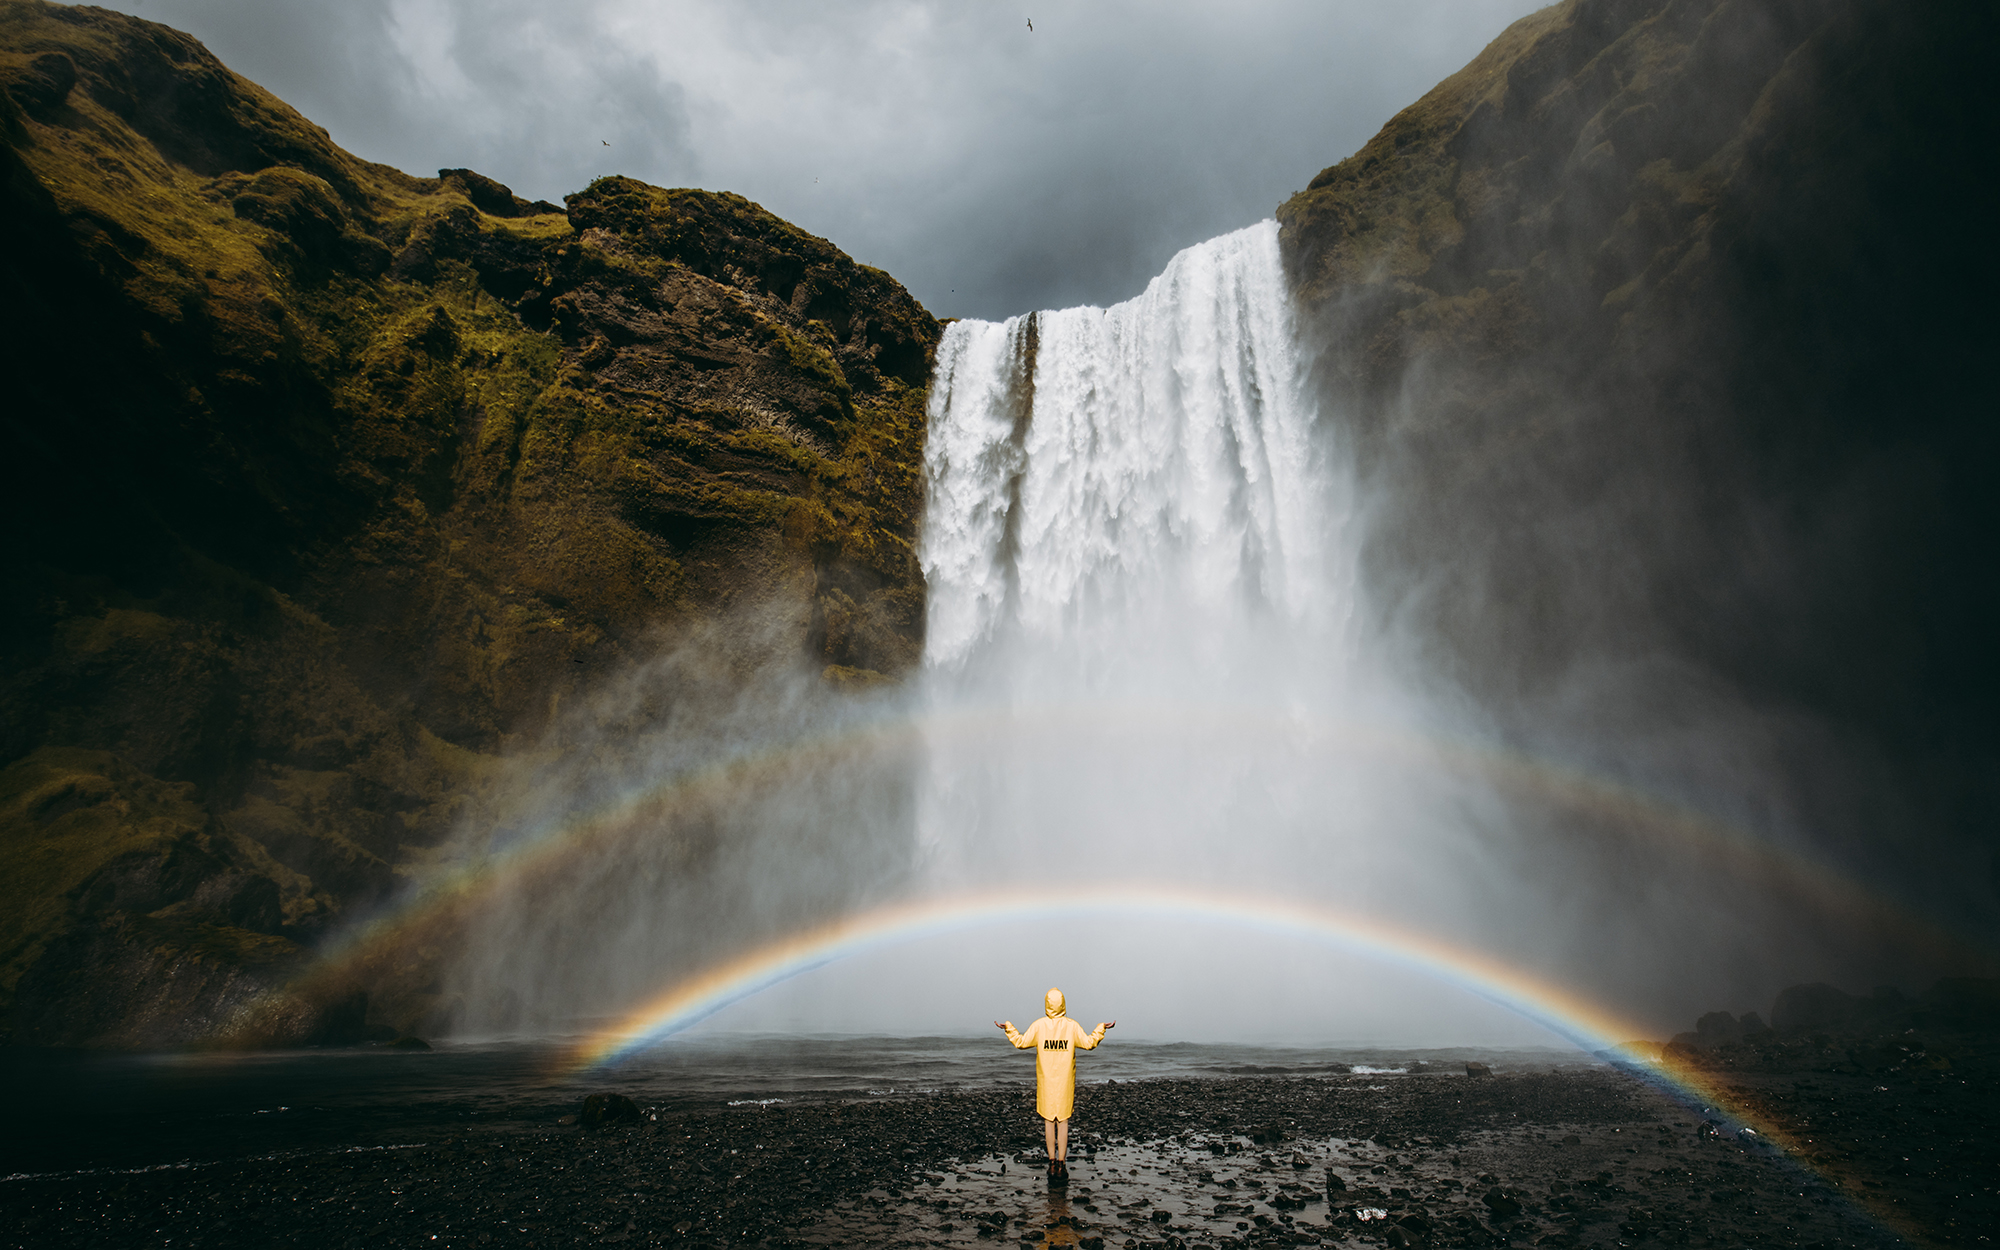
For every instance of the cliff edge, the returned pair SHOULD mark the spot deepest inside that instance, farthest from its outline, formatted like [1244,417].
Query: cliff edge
[1658,333]
[328,485]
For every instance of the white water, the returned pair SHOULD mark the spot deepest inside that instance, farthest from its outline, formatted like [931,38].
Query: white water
[1144,665]
[1139,596]
[1159,460]
[1147,664]
[1143,659]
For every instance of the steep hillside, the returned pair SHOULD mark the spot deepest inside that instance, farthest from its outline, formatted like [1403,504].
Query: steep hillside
[327,486]
[1660,331]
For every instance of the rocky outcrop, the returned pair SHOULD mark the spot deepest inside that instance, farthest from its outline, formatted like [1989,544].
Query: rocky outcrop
[1657,332]
[329,488]
[1821,1025]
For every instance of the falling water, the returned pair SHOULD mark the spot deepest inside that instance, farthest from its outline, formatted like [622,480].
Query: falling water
[1122,490]
[1144,660]
[1142,655]
[1148,664]
[1144,667]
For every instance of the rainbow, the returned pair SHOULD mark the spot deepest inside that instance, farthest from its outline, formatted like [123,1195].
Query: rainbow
[431,914]
[705,993]
[1563,1012]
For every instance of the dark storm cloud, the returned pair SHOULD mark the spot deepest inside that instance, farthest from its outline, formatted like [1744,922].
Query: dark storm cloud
[526,92]
[990,168]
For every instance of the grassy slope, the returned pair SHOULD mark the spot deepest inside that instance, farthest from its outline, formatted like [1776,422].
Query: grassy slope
[329,484]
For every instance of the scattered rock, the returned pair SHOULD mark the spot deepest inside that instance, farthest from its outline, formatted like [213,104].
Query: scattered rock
[1717,1028]
[1477,1069]
[1505,1206]
[1638,1050]
[493,198]
[606,1110]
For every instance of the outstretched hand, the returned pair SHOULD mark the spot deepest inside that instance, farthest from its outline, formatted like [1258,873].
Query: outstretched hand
[1108,1024]
[998,1025]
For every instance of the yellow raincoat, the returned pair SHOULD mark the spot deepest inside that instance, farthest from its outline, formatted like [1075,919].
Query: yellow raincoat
[1055,1039]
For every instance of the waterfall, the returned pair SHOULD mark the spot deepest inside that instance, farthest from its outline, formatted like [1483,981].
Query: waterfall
[1144,667]
[1145,663]
[1092,467]
[1140,585]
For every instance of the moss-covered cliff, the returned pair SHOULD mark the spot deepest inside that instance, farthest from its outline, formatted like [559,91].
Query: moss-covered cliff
[326,486]
[1660,333]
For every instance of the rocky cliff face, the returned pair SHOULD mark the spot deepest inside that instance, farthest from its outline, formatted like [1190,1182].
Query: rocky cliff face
[327,486]
[1659,331]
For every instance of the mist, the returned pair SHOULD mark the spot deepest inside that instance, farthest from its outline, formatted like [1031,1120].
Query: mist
[1142,666]
[1220,600]
[1153,656]
[1145,662]
[713,795]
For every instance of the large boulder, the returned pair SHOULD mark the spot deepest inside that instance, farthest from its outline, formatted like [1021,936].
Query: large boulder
[1717,1028]
[608,1110]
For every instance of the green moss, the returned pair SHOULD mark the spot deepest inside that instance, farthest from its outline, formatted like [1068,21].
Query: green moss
[601,566]
[64,814]
[777,446]
[470,518]
[1381,215]
[855,680]
[590,261]
[203,942]
[875,487]
[814,361]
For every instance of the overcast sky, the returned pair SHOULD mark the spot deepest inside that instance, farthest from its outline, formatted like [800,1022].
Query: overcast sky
[990,168]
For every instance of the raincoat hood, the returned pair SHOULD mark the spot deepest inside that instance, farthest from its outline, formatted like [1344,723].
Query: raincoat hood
[1052,1002]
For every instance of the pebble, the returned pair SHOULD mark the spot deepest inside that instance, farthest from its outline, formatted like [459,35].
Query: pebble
[1565,1159]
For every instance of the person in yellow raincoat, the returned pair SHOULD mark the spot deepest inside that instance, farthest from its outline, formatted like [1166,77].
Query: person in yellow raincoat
[1055,1039]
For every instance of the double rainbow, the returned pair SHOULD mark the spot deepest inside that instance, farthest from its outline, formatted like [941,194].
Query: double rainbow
[1568,1015]
[705,993]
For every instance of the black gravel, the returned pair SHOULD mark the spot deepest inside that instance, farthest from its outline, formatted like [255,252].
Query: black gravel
[1579,1157]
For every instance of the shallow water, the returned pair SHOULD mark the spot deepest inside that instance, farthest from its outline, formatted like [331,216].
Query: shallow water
[465,1147]
[135,1111]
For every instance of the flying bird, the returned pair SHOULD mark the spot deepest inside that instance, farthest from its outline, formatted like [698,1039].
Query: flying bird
[1031,23]
[605,142]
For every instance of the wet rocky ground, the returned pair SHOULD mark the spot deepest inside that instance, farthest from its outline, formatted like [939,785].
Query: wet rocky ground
[1571,1157]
